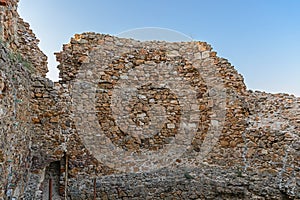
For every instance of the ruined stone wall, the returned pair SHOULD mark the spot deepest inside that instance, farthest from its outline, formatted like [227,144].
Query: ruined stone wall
[28,114]
[19,37]
[138,120]
[15,124]
[254,147]
[272,139]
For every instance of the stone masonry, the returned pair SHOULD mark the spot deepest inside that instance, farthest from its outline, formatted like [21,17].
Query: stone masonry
[138,120]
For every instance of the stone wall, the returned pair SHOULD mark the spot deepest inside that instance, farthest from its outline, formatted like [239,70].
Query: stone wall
[15,124]
[138,120]
[23,64]
[20,38]
[256,150]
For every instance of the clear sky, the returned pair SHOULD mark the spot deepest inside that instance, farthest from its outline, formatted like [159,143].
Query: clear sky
[261,38]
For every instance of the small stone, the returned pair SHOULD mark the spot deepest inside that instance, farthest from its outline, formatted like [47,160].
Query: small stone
[198,55]
[39,95]
[84,59]
[173,53]
[170,126]
[232,144]
[54,119]
[36,120]
[139,62]
[206,54]
[264,151]
[224,143]
[142,115]
[124,77]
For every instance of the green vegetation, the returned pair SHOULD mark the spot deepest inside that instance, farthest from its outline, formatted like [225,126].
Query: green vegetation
[16,57]
[188,176]
[239,172]
[28,66]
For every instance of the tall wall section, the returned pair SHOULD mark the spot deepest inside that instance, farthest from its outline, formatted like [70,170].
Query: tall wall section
[15,124]
[245,145]
[19,37]
[22,71]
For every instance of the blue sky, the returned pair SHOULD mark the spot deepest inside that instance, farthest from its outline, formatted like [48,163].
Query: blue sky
[261,38]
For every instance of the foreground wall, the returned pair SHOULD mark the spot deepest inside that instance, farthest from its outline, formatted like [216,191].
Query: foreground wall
[22,67]
[15,124]
[243,144]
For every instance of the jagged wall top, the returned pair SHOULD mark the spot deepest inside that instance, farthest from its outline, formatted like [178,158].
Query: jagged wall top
[260,136]
[256,155]
[19,37]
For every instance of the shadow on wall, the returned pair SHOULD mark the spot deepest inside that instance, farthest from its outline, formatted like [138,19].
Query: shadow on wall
[3,3]
[51,181]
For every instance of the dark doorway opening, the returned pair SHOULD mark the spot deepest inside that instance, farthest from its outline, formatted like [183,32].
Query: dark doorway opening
[51,182]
